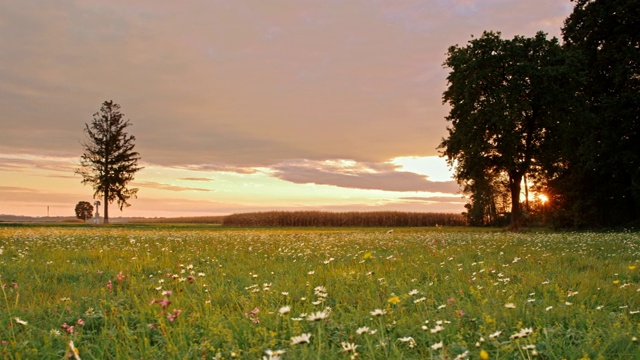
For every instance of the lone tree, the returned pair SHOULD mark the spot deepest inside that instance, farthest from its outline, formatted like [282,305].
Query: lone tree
[84,210]
[109,161]
[504,97]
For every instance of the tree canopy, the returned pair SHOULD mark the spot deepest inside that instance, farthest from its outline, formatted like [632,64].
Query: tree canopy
[502,94]
[566,116]
[109,161]
[84,210]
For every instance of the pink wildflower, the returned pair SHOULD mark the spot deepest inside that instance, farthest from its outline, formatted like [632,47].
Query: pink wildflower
[173,316]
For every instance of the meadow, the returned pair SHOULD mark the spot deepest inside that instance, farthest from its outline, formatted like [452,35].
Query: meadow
[210,292]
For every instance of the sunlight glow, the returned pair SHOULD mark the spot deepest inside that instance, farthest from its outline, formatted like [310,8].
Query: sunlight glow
[434,167]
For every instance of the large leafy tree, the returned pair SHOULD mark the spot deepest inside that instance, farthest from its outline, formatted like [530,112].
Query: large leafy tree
[109,161]
[504,95]
[600,182]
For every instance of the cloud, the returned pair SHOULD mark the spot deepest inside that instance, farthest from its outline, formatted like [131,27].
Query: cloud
[243,83]
[350,174]
[196,179]
[23,162]
[168,187]
[436,199]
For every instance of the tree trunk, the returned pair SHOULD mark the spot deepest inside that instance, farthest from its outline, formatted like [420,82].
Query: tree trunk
[106,207]
[516,211]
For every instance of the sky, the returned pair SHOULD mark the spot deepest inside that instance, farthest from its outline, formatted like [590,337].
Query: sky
[240,106]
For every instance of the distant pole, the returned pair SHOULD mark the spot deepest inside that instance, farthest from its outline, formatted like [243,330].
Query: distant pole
[47,210]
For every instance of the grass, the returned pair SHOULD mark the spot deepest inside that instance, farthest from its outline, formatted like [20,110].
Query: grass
[187,292]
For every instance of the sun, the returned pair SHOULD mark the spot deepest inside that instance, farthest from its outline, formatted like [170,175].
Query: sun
[543,198]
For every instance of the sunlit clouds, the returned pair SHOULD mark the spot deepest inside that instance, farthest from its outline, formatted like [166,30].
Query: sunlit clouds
[242,106]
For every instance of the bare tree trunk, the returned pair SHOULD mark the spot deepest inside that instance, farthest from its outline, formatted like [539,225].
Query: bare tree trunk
[516,211]
[526,193]
[106,207]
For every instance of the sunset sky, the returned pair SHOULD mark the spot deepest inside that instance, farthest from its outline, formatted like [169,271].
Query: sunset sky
[239,105]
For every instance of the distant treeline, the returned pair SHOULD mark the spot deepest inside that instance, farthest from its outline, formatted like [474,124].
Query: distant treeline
[336,219]
[180,220]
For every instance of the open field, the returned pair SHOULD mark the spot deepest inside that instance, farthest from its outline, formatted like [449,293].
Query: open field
[192,292]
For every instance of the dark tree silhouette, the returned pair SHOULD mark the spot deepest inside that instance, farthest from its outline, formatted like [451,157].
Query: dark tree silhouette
[84,210]
[109,162]
[504,96]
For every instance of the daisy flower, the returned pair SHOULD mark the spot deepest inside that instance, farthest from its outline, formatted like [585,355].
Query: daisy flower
[301,339]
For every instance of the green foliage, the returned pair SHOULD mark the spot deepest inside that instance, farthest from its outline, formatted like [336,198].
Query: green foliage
[109,162]
[203,292]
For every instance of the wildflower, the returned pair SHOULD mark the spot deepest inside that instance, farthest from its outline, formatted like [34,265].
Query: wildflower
[416,301]
[69,329]
[378,312]
[437,329]
[346,346]
[284,310]
[362,330]
[394,300]
[174,316]
[495,334]
[54,332]
[509,306]
[616,282]
[21,322]
[300,339]
[572,293]
[548,308]
[413,292]
[632,267]
[74,350]
[311,272]
[320,315]
[529,347]
[410,340]
[522,333]
[80,322]
[273,354]
[167,293]
[484,355]
[437,346]
[463,355]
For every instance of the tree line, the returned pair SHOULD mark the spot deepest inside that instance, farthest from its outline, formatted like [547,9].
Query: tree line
[559,119]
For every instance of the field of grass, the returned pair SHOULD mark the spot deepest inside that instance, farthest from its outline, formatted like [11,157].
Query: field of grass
[194,292]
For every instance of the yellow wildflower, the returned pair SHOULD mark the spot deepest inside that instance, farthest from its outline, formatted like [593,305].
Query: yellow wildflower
[484,355]
[394,300]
